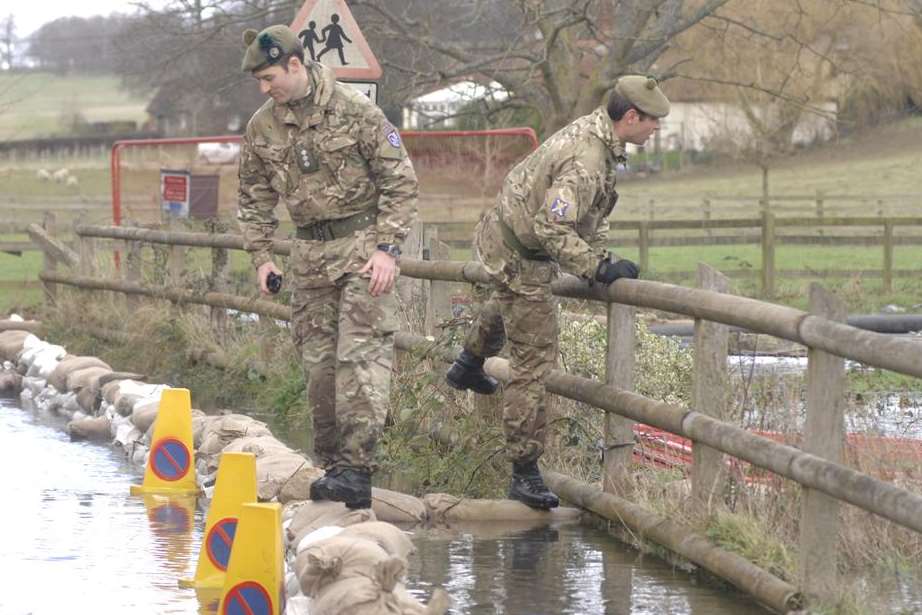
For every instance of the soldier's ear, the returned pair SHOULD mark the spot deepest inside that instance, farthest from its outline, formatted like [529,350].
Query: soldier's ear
[249,35]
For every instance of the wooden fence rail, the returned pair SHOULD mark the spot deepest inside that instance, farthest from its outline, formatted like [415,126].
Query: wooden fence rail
[829,341]
[766,235]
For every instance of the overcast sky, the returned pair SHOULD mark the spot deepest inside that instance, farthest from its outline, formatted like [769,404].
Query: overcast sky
[31,14]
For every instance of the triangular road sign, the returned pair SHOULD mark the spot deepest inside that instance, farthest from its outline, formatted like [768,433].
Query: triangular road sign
[330,35]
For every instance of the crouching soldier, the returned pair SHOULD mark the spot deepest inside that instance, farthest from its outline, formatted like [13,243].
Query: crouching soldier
[551,215]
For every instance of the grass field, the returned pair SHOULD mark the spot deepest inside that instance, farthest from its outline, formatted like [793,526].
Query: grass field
[36,105]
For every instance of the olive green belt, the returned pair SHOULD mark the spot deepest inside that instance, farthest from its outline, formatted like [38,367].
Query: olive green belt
[512,242]
[328,230]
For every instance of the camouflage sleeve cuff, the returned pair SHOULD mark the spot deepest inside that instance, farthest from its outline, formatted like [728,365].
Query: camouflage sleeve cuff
[260,258]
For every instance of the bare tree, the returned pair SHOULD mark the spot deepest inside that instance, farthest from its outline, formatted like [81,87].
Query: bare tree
[7,42]
[558,57]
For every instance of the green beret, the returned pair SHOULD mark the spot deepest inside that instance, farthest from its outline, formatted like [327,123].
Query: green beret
[267,47]
[643,93]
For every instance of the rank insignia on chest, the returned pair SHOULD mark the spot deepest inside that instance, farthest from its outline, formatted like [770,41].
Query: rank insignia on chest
[559,207]
[307,162]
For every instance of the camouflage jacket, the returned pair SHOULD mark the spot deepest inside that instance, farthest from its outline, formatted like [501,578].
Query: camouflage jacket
[558,199]
[329,155]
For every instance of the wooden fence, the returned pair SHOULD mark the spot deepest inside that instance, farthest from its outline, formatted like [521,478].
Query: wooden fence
[817,466]
[766,231]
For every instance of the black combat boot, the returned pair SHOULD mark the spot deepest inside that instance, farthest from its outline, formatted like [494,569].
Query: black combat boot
[528,487]
[467,373]
[351,486]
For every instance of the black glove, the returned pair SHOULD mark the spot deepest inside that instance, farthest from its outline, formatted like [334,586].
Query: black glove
[609,271]
[274,282]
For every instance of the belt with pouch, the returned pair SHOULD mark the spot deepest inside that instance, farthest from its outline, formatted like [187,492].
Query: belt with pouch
[512,242]
[328,230]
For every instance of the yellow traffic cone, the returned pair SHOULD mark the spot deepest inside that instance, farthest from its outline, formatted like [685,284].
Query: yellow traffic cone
[255,575]
[171,463]
[235,486]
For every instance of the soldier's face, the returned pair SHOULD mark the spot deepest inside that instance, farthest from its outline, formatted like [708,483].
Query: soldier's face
[638,128]
[279,84]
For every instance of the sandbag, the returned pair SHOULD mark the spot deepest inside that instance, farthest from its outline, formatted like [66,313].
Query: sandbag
[444,507]
[88,400]
[261,446]
[58,377]
[85,378]
[311,516]
[10,383]
[111,390]
[11,343]
[298,487]
[389,537]
[370,596]
[90,429]
[200,423]
[143,415]
[396,507]
[220,431]
[274,471]
[339,558]
[124,403]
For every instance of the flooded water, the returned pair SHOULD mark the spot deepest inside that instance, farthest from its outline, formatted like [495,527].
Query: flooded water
[75,541]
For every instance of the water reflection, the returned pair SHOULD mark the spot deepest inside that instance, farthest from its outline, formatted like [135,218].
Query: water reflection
[559,570]
[74,540]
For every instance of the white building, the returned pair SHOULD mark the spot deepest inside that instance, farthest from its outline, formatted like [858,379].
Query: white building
[440,108]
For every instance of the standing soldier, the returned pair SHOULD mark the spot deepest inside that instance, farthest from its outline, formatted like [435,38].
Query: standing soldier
[551,214]
[328,153]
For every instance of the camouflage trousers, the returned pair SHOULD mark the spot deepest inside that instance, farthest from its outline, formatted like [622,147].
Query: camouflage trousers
[346,340]
[527,323]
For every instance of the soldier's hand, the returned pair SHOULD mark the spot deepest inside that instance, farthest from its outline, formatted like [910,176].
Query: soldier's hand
[609,271]
[262,272]
[383,268]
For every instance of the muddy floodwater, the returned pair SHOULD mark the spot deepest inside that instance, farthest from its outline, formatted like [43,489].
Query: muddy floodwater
[74,541]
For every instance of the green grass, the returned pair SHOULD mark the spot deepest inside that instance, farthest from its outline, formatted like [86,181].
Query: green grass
[36,105]
[882,160]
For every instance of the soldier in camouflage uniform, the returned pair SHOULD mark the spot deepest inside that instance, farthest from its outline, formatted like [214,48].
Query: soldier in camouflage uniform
[328,153]
[551,214]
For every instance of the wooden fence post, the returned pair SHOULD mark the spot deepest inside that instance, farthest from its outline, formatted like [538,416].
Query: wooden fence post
[50,262]
[410,291]
[651,208]
[888,257]
[132,270]
[824,435]
[706,211]
[819,210]
[220,263]
[438,299]
[709,395]
[643,243]
[768,255]
[619,372]
[87,250]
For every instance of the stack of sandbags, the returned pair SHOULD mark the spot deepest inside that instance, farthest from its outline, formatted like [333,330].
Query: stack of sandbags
[349,564]
[35,362]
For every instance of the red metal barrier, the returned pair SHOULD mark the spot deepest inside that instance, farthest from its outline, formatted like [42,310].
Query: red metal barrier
[118,146]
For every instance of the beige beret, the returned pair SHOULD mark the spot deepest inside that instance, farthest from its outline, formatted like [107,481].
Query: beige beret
[267,47]
[643,93]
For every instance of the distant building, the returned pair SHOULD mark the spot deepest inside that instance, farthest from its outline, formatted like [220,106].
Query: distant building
[441,108]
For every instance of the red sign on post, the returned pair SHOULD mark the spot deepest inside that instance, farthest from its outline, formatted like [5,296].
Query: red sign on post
[174,193]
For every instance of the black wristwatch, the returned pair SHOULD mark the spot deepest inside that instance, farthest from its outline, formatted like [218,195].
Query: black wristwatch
[391,249]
